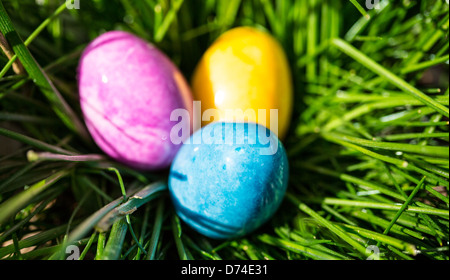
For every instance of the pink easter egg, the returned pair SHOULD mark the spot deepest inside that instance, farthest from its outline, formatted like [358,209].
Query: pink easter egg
[128,89]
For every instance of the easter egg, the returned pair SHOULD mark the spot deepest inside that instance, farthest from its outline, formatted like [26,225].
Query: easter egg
[128,89]
[229,179]
[246,70]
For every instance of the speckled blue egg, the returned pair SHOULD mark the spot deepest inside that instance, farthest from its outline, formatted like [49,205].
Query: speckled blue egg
[229,179]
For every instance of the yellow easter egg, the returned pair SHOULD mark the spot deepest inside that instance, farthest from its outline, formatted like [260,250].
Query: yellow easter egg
[245,72]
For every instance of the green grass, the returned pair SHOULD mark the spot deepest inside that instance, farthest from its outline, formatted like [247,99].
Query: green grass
[368,144]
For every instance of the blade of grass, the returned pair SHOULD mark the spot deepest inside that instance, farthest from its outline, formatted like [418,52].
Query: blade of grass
[311,43]
[93,220]
[381,238]
[425,65]
[140,198]
[391,77]
[34,142]
[415,181]
[393,180]
[88,246]
[100,245]
[16,65]
[84,180]
[115,242]
[414,222]
[23,222]
[89,223]
[38,76]
[270,14]
[395,161]
[432,226]
[311,252]
[404,206]
[428,166]
[370,107]
[405,136]
[44,252]
[333,228]
[338,215]
[296,236]
[156,230]
[375,220]
[424,124]
[400,253]
[17,202]
[352,179]
[33,35]
[6,116]
[34,240]
[18,174]
[34,156]
[400,163]
[227,11]
[378,205]
[189,242]
[176,229]
[360,9]
[435,151]
[162,30]
[119,177]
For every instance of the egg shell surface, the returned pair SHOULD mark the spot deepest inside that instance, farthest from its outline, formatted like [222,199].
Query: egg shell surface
[229,185]
[245,68]
[128,89]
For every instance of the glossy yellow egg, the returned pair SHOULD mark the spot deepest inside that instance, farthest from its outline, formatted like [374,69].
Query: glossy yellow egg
[245,69]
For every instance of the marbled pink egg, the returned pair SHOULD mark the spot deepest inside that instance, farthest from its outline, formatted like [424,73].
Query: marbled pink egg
[128,89]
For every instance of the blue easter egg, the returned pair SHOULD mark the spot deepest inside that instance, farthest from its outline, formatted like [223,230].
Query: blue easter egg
[229,179]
